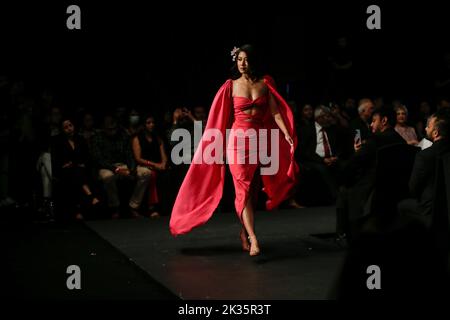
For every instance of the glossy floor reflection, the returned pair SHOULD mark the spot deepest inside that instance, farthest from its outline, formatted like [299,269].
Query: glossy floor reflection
[208,263]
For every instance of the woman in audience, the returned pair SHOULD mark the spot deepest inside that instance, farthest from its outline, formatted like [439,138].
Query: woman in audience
[150,156]
[70,157]
[407,132]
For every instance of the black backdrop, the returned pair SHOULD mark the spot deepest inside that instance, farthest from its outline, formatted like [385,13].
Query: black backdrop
[161,55]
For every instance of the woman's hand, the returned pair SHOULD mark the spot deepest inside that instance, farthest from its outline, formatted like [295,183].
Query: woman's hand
[123,171]
[68,165]
[163,166]
[357,145]
[160,166]
[289,139]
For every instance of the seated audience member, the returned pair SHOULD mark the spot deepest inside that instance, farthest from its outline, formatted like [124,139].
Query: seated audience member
[362,122]
[49,128]
[70,159]
[306,115]
[200,114]
[359,170]
[340,118]
[114,161]
[422,119]
[182,118]
[5,146]
[88,129]
[134,123]
[350,109]
[150,156]
[319,150]
[443,103]
[407,132]
[421,183]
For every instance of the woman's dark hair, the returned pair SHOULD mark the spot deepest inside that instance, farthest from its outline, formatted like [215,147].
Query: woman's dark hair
[147,116]
[254,63]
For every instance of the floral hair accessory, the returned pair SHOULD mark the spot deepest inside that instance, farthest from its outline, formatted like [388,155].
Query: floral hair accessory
[234,53]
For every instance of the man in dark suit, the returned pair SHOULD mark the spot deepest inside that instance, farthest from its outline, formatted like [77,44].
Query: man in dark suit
[319,153]
[421,183]
[359,172]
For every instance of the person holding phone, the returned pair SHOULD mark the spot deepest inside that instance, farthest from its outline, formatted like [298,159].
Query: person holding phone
[357,139]
[360,173]
[365,110]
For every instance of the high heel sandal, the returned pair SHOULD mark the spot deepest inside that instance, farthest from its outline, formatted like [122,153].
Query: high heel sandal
[79,216]
[244,240]
[93,200]
[254,248]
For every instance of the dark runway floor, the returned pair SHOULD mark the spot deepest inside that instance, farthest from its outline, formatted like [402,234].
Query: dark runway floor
[138,259]
[35,258]
[208,263]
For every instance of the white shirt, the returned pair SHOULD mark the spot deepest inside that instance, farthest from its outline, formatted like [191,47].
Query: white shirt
[320,150]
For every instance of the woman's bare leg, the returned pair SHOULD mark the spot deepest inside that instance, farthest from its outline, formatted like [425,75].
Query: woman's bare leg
[88,192]
[248,220]
[244,239]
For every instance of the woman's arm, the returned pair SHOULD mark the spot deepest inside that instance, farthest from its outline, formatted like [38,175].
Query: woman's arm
[279,119]
[162,151]
[137,153]
[413,136]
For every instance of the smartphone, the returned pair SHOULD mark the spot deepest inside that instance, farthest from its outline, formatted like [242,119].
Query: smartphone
[358,136]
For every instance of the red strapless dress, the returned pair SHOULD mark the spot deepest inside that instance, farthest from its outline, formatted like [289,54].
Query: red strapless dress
[245,158]
[202,188]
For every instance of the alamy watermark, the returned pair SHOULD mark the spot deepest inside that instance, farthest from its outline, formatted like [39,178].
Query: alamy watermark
[374,20]
[74,280]
[244,146]
[374,280]
[74,20]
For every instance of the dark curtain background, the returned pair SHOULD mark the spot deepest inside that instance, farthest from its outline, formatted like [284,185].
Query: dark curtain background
[178,54]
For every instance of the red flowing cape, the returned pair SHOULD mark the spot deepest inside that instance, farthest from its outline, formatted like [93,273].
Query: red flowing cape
[202,188]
